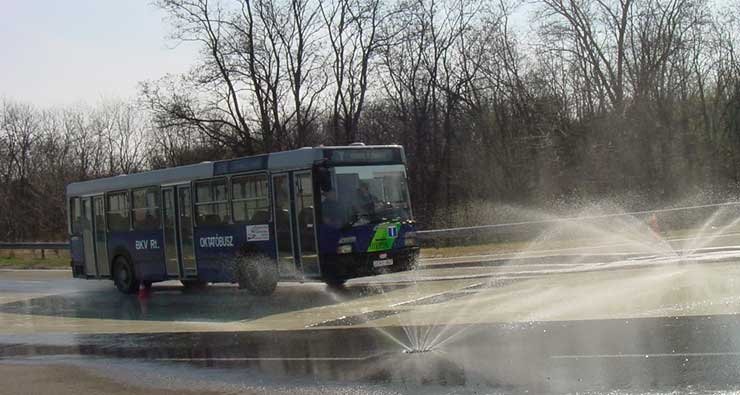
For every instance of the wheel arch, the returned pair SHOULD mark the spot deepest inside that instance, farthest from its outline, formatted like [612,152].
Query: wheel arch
[121,252]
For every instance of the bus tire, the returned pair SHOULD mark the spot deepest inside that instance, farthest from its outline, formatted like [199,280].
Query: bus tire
[335,283]
[258,275]
[124,276]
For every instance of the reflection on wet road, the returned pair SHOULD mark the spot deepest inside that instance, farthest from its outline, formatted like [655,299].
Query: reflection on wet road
[173,303]
[536,325]
[641,354]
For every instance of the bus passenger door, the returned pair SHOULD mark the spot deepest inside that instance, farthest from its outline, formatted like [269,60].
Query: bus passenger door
[88,240]
[170,232]
[184,210]
[305,223]
[101,236]
[283,211]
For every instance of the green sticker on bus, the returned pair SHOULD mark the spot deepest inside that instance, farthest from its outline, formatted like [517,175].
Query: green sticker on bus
[384,237]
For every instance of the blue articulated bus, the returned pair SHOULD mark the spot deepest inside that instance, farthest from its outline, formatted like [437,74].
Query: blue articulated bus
[324,213]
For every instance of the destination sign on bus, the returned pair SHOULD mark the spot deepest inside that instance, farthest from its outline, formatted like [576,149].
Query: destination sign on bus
[370,155]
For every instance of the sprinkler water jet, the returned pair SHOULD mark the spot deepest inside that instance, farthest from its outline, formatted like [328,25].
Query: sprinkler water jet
[417,351]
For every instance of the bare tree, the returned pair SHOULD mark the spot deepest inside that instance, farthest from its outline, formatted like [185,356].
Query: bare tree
[592,35]
[355,32]
[219,112]
[297,26]
[414,69]
[20,131]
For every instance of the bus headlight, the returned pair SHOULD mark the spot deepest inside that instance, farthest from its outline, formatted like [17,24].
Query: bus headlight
[344,249]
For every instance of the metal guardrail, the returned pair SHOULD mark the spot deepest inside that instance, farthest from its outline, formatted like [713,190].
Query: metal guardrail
[41,245]
[478,228]
[38,245]
[431,235]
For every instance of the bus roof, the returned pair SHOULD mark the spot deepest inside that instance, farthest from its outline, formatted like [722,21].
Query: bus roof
[284,160]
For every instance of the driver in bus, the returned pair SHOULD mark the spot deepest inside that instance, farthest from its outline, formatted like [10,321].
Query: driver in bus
[365,201]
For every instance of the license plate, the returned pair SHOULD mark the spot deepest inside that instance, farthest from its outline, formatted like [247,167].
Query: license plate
[382,262]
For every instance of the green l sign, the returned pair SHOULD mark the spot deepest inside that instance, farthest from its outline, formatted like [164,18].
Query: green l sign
[385,235]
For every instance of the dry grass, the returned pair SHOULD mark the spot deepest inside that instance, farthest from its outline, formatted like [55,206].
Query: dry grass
[34,259]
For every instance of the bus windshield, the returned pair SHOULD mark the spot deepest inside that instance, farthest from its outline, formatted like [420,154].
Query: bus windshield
[366,194]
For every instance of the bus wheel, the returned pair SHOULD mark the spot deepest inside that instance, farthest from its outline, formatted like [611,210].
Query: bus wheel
[193,285]
[335,283]
[124,276]
[258,275]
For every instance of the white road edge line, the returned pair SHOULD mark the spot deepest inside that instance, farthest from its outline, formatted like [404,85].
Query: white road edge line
[647,356]
[237,359]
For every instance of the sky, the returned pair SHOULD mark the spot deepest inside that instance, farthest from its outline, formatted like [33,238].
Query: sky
[56,53]
[62,52]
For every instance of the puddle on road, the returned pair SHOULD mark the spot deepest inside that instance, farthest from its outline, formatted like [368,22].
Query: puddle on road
[487,357]
[357,318]
[167,303]
[437,299]
[470,290]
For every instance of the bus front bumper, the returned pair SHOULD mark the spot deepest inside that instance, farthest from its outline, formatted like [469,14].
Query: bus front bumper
[344,267]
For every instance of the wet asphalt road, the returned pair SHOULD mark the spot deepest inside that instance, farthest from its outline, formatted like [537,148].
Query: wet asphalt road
[651,354]
[693,353]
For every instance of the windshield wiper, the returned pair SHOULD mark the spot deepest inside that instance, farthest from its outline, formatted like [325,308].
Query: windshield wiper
[356,218]
[374,218]
[377,220]
[371,219]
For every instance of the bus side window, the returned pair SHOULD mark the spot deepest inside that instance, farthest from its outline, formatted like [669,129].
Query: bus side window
[146,208]
[75,215]
[250,202]
[211,203]
[117,215]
